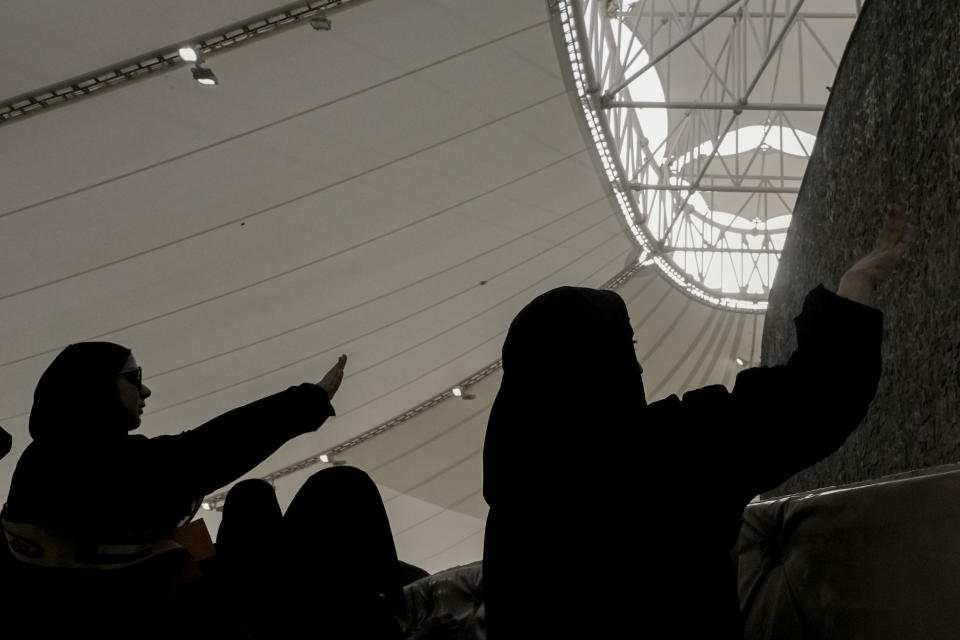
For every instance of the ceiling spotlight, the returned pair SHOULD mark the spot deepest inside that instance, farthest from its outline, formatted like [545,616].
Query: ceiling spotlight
[188,54]
[205,506]
[324,457]
[741,361]
[204,76]
[458,392]
[321,23]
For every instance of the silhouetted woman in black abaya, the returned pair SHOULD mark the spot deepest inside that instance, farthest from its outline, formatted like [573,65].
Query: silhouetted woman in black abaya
[92,507]
[611,518]
[327,566]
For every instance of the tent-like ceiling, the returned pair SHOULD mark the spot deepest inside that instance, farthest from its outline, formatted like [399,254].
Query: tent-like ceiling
[395,188]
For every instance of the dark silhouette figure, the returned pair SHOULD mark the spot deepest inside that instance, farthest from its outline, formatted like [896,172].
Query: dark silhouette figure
[91,507]
[339,530]
[6,443]
[6,560]
[612,518]
[329,565]
[251,551]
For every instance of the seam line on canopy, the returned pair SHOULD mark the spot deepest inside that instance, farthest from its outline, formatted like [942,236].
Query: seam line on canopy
[457,325]
[299,267]
[278,206]
[402,288]
[379,297]
[268,125]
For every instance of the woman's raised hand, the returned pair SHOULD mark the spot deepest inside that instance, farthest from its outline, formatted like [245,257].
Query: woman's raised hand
[331,381]
[896,236]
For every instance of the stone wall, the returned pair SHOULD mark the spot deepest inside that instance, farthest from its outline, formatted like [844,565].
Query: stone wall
[889,134]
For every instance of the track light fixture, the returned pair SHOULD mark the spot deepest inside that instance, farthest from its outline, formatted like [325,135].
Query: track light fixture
[203,75]
[329,459]
[321,23]
[188,53]
[458,392]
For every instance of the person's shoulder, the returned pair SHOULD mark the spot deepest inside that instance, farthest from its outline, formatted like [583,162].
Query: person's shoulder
[709,393]
[705,394]
[671,400]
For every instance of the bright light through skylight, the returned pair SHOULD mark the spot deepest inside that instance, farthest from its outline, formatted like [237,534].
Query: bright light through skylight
[722,241]
[745,139]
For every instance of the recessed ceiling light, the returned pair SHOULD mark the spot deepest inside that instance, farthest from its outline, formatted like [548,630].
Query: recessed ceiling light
[741,361]
[188,54]
[457,391]
[204,76]
[324,458]
[321,23]
[205,506]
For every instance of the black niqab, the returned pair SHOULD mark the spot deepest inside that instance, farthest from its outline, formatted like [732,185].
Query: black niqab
[570,376]
[340,515]
[77,397]
[339,528]
[561,525]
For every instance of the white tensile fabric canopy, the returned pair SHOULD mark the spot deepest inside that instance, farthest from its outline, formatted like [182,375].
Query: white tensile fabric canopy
[395,188]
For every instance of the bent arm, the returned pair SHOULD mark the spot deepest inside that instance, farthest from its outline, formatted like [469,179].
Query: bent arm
[796,414]
[201,460]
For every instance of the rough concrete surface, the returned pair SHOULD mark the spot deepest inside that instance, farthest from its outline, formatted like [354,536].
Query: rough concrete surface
[889,134]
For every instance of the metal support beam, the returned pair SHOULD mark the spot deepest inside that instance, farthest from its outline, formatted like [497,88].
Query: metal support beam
[714,106]
[813,15]
[670,49]
[788,23]
[740,177]
[641,186]
[773,49]
[772,252]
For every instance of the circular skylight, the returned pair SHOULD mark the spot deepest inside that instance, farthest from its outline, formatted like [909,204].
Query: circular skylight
[701,121]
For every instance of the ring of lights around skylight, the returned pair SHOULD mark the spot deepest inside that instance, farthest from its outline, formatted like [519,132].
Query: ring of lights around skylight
[719,257]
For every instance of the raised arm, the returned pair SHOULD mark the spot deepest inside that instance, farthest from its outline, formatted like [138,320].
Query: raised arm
[806,409]
[220,451]
[896,236]
[779,420]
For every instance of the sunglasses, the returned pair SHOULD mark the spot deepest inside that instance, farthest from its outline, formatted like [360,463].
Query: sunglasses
[134,376]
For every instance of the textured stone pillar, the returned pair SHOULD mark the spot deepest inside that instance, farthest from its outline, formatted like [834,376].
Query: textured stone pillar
[890,134]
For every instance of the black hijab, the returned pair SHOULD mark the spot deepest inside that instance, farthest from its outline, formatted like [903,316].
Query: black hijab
[251,522]
[338,527]
[558,511]
[339,513]
[77,397]
[570,377]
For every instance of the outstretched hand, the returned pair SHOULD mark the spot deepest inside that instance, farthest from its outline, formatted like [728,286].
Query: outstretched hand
[331,381]
[896,236]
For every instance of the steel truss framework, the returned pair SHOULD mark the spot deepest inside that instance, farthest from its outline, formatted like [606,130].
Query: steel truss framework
[702,114]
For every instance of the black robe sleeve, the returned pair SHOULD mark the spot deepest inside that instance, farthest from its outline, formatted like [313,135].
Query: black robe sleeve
[803,411]
[779,420]
[173,471]
[134,483]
